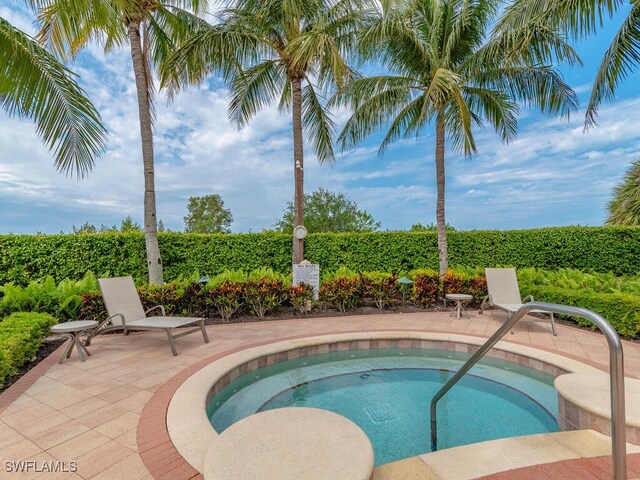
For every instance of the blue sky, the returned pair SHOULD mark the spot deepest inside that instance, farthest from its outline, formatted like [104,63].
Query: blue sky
[552,174]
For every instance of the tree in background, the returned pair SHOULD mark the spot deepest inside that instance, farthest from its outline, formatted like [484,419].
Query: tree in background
[150,28]
[34,84]
[128,225]
[446,71]
[84,229]
[329,212]
[624,208]
[432,227]
[277,51]
[207,215]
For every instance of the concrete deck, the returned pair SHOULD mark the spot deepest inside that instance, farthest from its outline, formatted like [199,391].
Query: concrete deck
[88,412]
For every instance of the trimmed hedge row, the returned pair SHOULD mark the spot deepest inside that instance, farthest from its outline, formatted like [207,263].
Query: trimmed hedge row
[233,293]
[602,249]
[621,310]
[21,335]
[345,290]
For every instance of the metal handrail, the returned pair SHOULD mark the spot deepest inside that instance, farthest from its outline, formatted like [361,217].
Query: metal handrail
[616,371]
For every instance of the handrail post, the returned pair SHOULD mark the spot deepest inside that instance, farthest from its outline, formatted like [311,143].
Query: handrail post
[616,374]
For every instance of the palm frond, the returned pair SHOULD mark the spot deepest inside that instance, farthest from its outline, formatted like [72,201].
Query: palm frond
[535,86]
[444,83]
[253,89]
[66,26]
[395,40]
[284,106]
[409,120]
[462,111]
[620,59]
[497,107]
[468,29]
[34,84]
[374,101]
[213,48]
[534,44]
[576,17]
[318,124]
[624,207]
[168,27]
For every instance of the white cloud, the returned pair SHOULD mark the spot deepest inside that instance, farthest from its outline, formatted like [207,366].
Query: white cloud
[553,173]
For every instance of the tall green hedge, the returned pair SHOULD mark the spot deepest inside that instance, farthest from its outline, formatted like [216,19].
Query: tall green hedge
[27,257]
[621,310]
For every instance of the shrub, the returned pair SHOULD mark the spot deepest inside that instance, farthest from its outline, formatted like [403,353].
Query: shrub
[62,301]
[169,295]
[621,310]
[341,289]
[426,287]
[301,296]
[226,293]
[575,279]
[461,282]
[21,335]
[380,288]
[92,307]
[191,298]
[264,291]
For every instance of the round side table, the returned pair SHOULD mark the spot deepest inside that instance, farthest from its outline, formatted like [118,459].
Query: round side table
[459,298]
[73,331]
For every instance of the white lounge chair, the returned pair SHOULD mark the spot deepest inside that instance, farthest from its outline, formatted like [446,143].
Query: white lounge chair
[504,293]
[126,313]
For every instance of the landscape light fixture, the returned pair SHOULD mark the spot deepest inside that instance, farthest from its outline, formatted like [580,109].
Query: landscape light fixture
[404,285]
[202,281]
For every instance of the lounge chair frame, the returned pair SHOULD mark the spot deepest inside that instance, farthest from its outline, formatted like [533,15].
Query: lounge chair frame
[511,299]
[136,318]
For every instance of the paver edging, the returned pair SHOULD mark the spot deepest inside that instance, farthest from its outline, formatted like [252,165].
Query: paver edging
[12,393]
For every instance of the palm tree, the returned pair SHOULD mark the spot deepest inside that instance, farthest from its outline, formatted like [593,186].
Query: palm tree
[34,84]
[578,20]
[444,72]
[624,208]
[150,29]
[274,50]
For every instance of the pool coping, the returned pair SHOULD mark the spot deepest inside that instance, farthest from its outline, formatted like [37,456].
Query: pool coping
[190,431]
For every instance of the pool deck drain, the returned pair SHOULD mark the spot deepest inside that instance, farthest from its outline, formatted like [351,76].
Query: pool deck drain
[107,413]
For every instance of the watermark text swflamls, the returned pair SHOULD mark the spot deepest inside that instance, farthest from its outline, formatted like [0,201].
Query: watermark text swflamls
[46,466]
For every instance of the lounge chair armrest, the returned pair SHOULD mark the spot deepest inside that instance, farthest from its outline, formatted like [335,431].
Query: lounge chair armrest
[108,319]
[102,325]
[529,297]
[161,307]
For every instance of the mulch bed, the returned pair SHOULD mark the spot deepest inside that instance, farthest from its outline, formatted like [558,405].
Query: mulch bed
[290,313]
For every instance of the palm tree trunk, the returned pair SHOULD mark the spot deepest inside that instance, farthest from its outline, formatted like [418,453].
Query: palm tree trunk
[440,220]
[298,167]
[154,262]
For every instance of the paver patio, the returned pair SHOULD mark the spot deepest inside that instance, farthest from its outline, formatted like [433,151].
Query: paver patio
[88,412]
